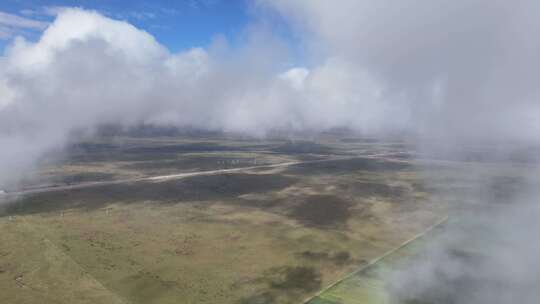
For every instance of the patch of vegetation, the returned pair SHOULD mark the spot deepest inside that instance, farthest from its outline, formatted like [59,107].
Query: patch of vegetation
[339,258]
[342,257]
[360,140]
[181,148]
[303,147]
[322,210]
[203,162]
[343,166]
[313,255]
[201,188]
[263,298]
[300,277]
[59,179]
[367,189]
[319,300]
[106,152]
[82,177]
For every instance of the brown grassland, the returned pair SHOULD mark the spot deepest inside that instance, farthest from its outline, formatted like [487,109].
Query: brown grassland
[262,235]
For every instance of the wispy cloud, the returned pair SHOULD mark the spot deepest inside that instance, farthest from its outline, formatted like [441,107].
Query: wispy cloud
[133,15]
[28,12]
[5,33]
[53,10]
[44,11]
[142,15]
[15,21]
[198,4]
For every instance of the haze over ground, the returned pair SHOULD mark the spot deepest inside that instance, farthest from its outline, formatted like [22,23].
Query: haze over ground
[457,71]
[440,68]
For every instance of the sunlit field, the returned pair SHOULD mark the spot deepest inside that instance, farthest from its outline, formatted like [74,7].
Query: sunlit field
[263,234]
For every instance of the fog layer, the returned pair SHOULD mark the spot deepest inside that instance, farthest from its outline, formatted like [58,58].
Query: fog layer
[463,72]
[456,71]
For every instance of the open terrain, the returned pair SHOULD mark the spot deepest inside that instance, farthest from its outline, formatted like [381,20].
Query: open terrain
[473,191]
[289,219]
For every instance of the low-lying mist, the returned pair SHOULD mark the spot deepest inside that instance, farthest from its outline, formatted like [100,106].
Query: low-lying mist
[486,253]
[450,72]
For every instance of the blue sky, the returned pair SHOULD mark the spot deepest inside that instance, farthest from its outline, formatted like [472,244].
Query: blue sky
[176,24]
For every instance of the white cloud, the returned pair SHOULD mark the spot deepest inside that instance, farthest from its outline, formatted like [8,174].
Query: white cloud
[386,72]
[463,72]
[464,68]
[15,21]
[5,33]
[52,10]
[141,15]
[87,69]
[44,11]
[28,12]
[439,67]
[296,77]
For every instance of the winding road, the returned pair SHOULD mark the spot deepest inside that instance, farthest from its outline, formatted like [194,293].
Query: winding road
[7,194]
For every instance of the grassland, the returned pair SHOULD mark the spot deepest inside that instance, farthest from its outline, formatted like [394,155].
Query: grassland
[465,188]
[261,235]
[369,284]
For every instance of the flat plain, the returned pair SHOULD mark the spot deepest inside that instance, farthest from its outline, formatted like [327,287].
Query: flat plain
[264,234]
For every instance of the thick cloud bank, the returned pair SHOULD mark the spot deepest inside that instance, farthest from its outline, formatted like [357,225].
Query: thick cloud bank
[460,67]
[87,70]
[438,68]
[466,71]
[451,69]
[454,70]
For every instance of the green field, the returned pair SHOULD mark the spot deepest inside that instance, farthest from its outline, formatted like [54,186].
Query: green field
[460,185]
[260,235]
[369,284]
